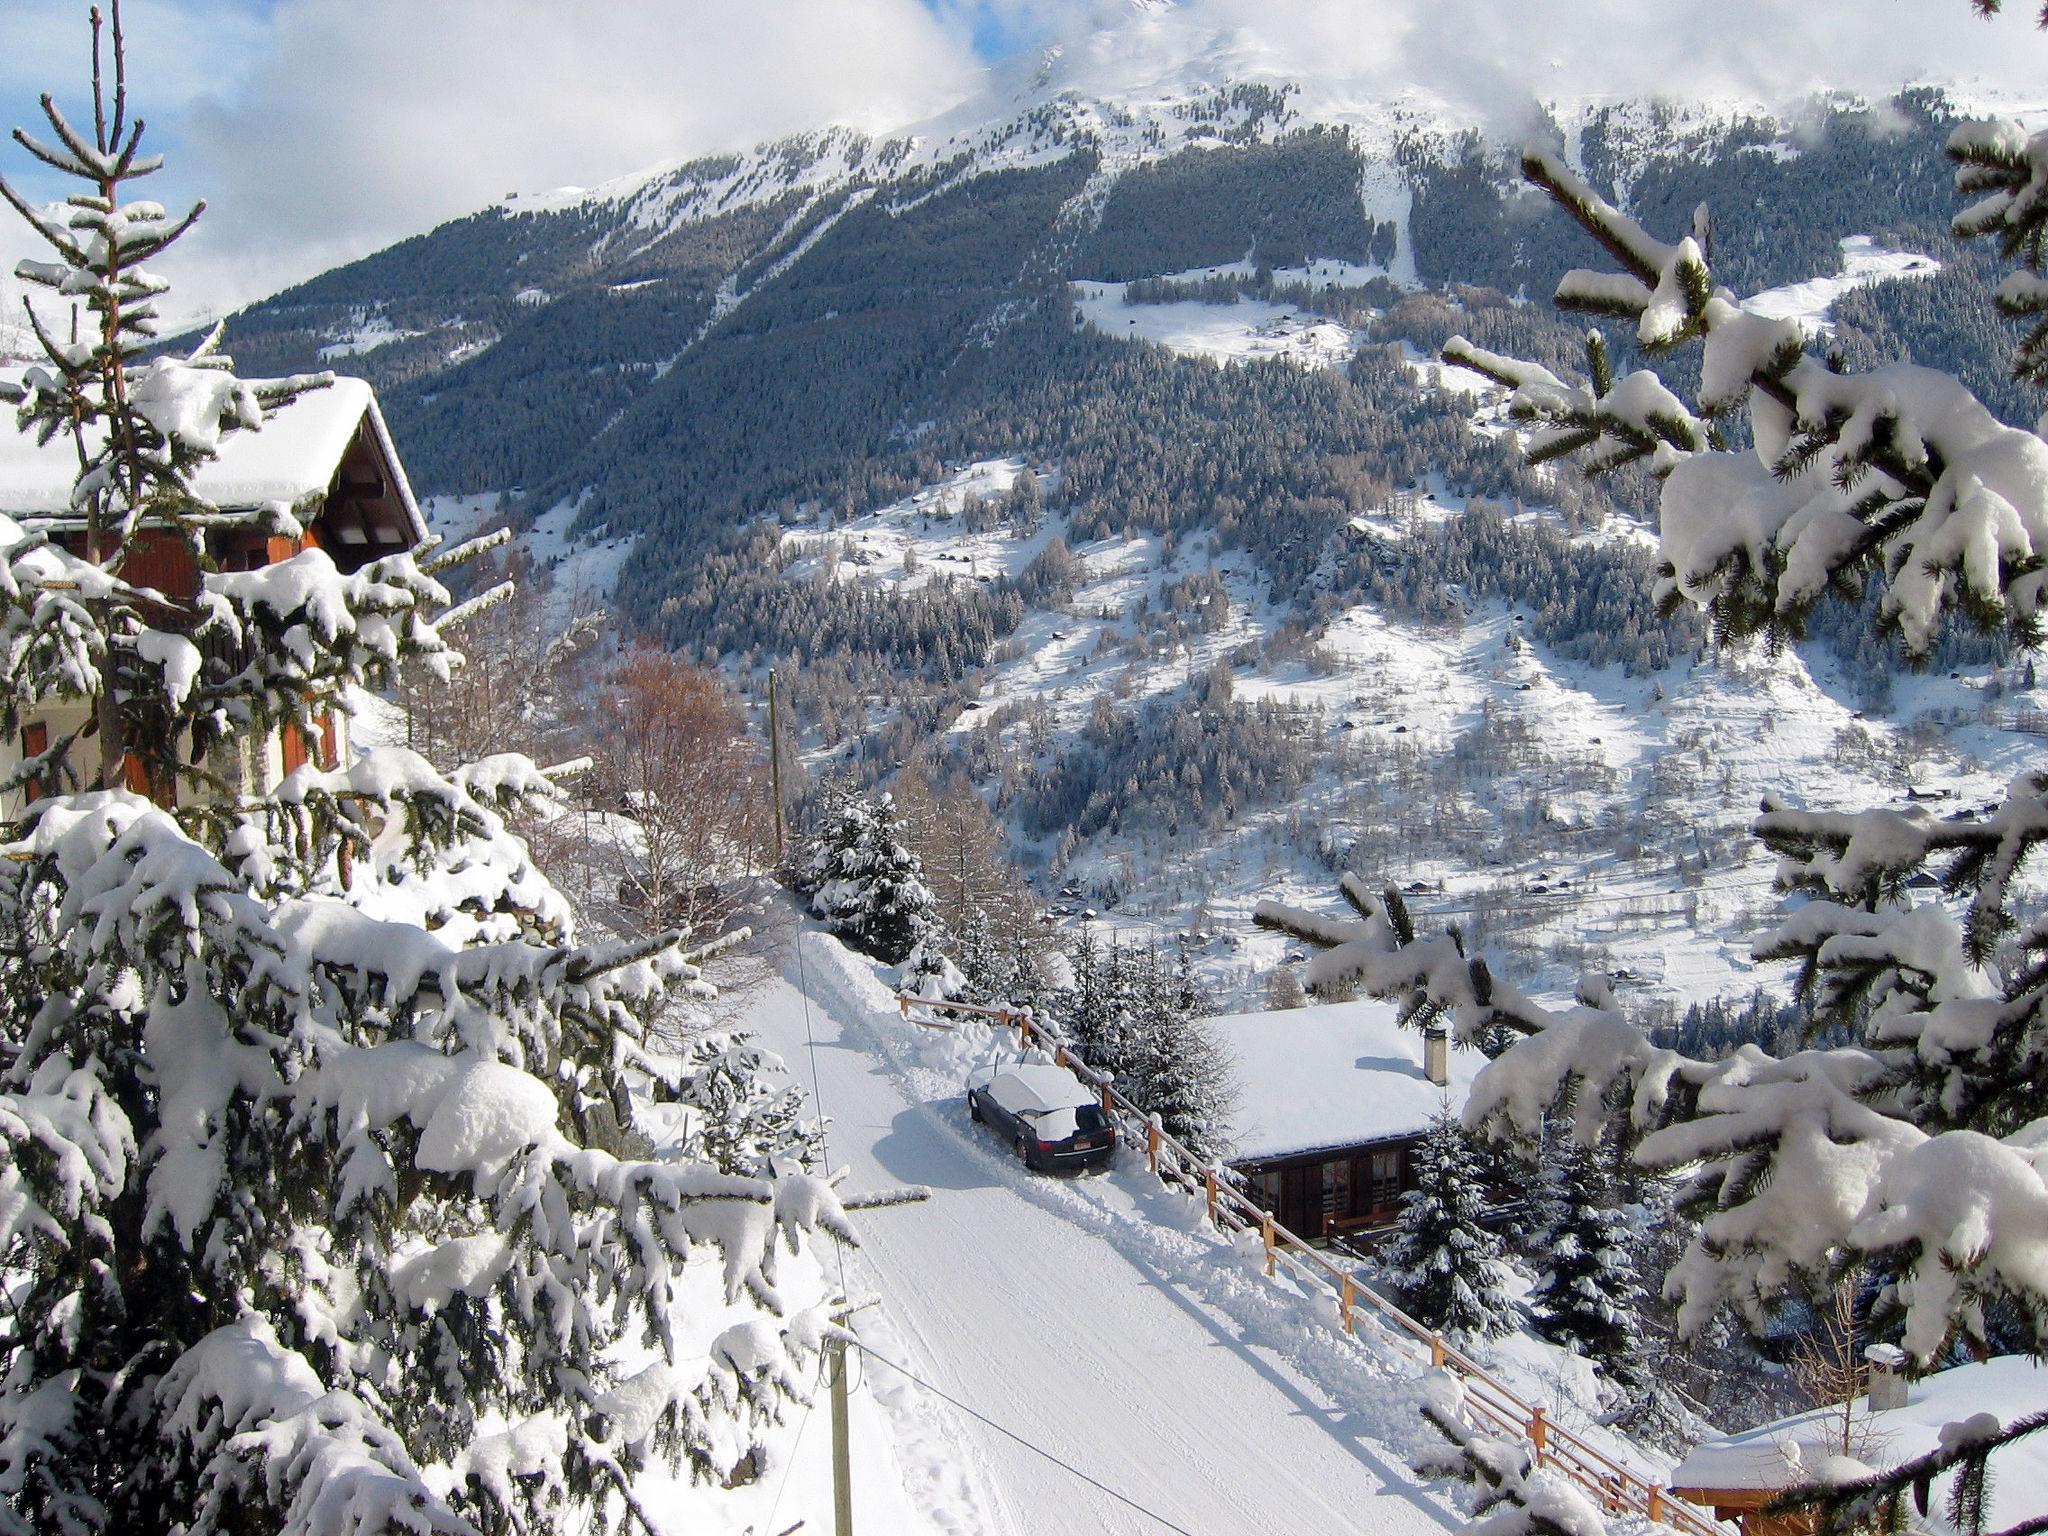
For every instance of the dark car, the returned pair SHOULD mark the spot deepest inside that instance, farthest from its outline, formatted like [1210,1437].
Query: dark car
[1045,1113]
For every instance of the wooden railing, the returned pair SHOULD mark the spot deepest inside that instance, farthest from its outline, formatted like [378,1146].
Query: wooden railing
[1492,1405]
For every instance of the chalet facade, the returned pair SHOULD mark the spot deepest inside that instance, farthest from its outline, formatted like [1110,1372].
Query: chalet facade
[1332,1102]
[327,456]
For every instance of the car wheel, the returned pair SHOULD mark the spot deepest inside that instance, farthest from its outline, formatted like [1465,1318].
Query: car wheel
[973,1107]
[1024,1151]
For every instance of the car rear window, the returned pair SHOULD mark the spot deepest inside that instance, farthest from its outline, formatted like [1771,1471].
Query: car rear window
[1088,1119]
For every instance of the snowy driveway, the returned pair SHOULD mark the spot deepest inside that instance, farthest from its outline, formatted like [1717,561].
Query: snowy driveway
[1140,1354]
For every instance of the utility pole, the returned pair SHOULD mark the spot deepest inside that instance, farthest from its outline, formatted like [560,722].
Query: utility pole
[775,760]
[842,1450]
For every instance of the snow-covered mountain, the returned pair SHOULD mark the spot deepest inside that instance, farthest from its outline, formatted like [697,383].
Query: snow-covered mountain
[1172,307]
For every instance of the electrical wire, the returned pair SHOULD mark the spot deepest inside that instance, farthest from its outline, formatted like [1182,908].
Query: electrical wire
[1029,1445]
[789,1463]
[803,992]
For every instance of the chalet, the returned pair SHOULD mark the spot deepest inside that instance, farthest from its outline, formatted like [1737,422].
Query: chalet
[326,456]
[1332,1101]
[1739,1475]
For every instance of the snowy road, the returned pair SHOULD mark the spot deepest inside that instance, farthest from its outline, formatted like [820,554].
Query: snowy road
[1064,1312]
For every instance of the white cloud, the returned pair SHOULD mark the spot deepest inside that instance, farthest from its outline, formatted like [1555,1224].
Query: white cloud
[322,129]
[332,127]
[1487,59]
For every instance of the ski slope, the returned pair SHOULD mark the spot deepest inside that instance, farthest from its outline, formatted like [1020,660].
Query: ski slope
[1097,1319]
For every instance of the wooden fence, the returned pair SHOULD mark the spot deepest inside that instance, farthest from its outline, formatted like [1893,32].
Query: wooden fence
[1491,1405]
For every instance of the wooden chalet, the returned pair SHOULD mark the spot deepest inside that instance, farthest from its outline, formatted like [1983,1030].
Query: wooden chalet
[1739,1476]
[327,457]
[1332,1102]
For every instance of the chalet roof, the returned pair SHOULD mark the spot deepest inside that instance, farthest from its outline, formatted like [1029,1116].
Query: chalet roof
[1335,1075]
[293,459]
[1795,1449]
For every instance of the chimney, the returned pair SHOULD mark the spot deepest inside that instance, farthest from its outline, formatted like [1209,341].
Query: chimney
[1887,1377]
[1436,1057]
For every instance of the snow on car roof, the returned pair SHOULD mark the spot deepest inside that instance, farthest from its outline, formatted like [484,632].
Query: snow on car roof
[1335,1075]
[1042,1087]
[1774,1455]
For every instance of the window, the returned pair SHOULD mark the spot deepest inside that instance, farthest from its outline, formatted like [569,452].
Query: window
[1336,1189]
[35,741]
[1385,1175]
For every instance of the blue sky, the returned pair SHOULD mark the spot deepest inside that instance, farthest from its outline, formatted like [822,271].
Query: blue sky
[996,32]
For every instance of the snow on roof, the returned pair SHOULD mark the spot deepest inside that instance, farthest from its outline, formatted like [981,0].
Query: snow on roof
[292,459]
[1793,1450]
[1331,1076]
[1042,1087]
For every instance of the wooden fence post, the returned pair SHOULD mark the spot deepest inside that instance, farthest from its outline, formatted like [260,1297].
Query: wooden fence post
[1059,1055]
[1436,1351]
[1539,1433]
[1344,1304]
[1209,1183]
[1656,1510]
[1108,1099]
[1266,1231]
[1152,1145]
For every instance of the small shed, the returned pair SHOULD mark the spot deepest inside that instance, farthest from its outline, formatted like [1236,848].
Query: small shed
[1332,1101]
[1739,1475]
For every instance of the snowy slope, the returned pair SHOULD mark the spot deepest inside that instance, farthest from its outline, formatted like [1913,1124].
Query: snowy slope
[1098,1320]
[1696,746]
[1055,1309]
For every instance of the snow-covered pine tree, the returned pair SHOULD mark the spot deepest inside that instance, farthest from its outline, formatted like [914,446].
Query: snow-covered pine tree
[306,1223]
[727,1112]
[1131,1014]
[1185,1077]
[1587,1293]
[1916,1149]
[865,882]
[1444,1266]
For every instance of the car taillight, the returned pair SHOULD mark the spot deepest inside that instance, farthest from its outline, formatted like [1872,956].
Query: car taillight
[1044,1145]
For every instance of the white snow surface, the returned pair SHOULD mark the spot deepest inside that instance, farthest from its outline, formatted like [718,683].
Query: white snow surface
[1330,1076]
[366,332]
[1864,262]
[1250,330]
[1790,1450]
[1099,1318]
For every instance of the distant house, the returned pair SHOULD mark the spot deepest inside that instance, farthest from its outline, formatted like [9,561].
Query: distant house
[327,456]
[1332,1101]
[1738,1475]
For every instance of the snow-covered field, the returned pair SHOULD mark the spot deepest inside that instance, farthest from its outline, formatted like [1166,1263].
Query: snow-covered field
[367,333]
[1250,330]
[1863,262]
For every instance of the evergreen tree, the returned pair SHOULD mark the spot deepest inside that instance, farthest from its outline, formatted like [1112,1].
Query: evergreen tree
[866,883]
[1587,1294]
[316,1187]
[728,1113]
[1914,1148]
[1444,1267]
[1132,1015]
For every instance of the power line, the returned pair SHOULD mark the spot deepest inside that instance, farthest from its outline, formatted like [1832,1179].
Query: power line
[1030,1445]
[803,992]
